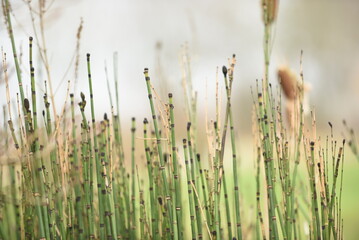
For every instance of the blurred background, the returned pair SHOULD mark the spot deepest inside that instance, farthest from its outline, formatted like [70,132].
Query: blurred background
[153,33]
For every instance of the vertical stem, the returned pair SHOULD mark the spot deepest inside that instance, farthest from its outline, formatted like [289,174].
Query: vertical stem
[154,215]
[159,148]
[98,175]
[133,181]
[176,176]
[190,195]
[17,65]
[234,159]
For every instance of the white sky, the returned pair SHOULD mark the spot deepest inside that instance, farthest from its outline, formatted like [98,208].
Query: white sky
[326,30]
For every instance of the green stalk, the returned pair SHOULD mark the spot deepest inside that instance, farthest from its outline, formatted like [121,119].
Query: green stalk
[36,147]
[216,221]
[109,169]
[159,149]
[193,179]
[269,170]
[117,120]
[98,166]
[204,187]
[118,174]
[234,158]
[76,167]
[258,194]
[176,176]
[190,195]
[133,181]
[228,210]
[333,194]
[315,212]
[142,208]
[86,169]
[17,65]
[154,215]
[110,230]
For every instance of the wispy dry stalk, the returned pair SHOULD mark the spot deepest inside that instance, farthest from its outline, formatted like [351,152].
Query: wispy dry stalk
[77,61]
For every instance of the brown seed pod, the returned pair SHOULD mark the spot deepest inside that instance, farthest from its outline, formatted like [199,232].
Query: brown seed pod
[288,81]
[270,10]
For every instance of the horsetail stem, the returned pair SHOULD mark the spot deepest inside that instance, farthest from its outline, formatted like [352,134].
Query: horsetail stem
[176,176]
[154,215]
[194,182]
[17,65]
[228,210]
[159,148]
[133,182]
[217,188]
[100,184]
[190,195]
[76,167]
[234,157]
[269,170]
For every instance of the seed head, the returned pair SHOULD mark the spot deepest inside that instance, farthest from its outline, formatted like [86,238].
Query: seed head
[288,81]
[270,10]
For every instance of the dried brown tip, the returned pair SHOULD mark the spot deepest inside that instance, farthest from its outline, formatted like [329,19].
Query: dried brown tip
[288,81]
[26,104]
[224,70]
[82,96]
